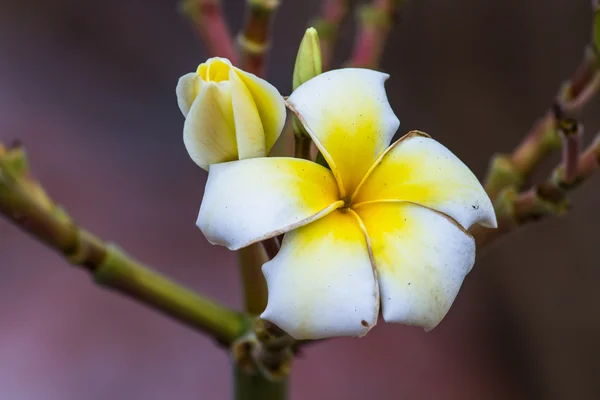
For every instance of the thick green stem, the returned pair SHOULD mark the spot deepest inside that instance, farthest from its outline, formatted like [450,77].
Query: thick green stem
[127,276]
[255,386]
[24,202]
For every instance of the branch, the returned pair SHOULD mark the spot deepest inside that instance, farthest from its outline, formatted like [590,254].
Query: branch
[254,40]
[333,13]
[376,20]
[24,202]
[513,170]
[208,21]
[547,198]
[571,133]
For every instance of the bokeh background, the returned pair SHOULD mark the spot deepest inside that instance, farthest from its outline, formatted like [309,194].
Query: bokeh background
[88,86]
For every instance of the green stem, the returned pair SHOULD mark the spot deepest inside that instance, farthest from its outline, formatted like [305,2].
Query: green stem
[128,277]
[251,259]
[254,386]
[24,202]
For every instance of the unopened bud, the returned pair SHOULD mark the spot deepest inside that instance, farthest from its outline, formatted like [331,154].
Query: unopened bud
[308,62]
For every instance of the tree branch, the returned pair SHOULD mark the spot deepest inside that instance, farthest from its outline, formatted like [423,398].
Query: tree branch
[254,39]
[24,202]
[207,19]
[333,13]
[513,170]
[515,209]
[376,20]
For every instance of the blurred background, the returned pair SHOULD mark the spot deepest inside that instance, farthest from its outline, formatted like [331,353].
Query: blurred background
[89,87]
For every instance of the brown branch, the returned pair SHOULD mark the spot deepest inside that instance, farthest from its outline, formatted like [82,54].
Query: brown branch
[513,170]
[24,202]
[550,197]
[571,133]
[209,23]
[254,39]
[375,23]
[333,13]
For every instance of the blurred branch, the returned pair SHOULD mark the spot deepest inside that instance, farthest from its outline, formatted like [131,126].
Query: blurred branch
[571,133]
[208,21]
[333,13]
[515,209]
[254,39]
[513,170]
[24,202]
[375,23]
[508,172]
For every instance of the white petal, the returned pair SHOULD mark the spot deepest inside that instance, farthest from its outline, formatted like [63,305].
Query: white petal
[347,114]
[248,126]
[322,283]
[186,92]
[269,103]
[209,129]
[250,200]
[421,257]
[418,169]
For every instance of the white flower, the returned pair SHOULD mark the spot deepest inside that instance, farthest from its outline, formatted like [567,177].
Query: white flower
[385,225]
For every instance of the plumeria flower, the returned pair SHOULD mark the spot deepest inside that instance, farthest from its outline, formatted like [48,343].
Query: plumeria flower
[230,114]
[386,225]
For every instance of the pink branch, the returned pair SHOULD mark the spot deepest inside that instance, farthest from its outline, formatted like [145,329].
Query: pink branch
[376,21]
[333,13]
[208,21]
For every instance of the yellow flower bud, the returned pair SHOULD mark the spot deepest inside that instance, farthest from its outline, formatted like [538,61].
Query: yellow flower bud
[308,62]
[230,114]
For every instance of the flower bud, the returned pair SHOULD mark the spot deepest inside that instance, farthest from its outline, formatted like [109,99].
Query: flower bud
[230,114]
[308,61]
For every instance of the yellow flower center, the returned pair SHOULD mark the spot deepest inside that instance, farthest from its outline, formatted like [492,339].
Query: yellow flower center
[215,70]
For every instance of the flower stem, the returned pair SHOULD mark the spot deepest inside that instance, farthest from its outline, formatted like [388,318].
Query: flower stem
[255,386]
[25,203]
[302,146]
[251,259]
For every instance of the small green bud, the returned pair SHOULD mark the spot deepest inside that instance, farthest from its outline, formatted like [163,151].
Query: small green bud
[308,62]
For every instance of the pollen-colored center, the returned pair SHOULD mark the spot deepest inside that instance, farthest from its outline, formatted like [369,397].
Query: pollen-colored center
[214,71]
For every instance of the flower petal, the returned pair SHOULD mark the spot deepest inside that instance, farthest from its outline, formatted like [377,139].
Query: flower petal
[421,257]
[249,129]
[418,169]
[322,283]
[250,200]
[209,130]
[269,103]
[186,91]
[347,114]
